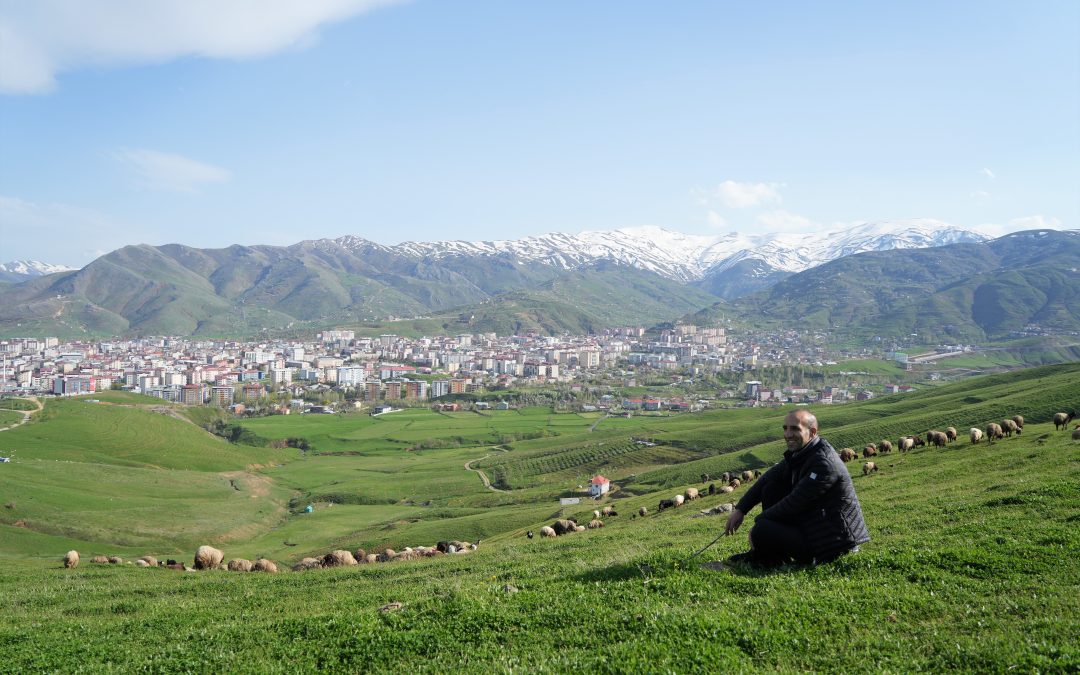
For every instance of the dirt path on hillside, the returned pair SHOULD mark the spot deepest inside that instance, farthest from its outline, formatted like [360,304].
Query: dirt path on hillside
[483,476]
[26,413]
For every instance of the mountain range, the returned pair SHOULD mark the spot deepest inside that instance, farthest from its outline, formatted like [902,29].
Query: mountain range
[21,270]
[550,283]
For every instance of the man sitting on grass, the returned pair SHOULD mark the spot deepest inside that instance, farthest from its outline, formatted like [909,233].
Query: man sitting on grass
[809,511]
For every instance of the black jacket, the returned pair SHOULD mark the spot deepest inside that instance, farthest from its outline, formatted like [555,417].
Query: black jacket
[812,490]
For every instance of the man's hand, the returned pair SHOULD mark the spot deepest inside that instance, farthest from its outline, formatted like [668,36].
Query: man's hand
[733,521]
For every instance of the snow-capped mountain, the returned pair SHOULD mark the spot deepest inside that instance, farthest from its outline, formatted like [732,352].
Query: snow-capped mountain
[689,258]
[21,270]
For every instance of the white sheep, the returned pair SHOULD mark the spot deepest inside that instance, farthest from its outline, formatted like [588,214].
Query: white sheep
[976,435]
[547,531]
[71,559]
[691,494]
[868,468]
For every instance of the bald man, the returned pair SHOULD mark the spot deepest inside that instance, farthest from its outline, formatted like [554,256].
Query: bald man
[809,511]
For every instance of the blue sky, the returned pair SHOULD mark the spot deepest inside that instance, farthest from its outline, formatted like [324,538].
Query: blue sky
[211,123]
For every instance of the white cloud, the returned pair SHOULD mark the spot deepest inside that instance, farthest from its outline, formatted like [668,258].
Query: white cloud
[785,221]
[716,220]
[988,173]
[175,173]
[738,195]
[980,194]
[42,38]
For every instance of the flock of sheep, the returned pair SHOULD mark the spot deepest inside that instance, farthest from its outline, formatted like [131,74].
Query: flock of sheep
[994,431]
[210,558]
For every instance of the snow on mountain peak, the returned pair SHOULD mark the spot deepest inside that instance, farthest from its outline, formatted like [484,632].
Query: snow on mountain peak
[31,268]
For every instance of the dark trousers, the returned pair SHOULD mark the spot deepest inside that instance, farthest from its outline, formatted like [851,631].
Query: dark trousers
[776,543]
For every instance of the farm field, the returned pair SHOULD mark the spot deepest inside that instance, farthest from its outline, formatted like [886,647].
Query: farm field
[973,566]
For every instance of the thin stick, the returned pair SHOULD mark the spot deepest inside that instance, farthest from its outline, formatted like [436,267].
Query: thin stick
[704,549]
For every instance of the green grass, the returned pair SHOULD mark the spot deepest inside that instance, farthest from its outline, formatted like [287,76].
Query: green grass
[973,567]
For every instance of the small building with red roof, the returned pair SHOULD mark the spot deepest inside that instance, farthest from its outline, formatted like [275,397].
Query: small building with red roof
[598,486]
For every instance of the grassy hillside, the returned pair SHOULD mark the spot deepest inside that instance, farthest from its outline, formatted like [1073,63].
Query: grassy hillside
[973,567]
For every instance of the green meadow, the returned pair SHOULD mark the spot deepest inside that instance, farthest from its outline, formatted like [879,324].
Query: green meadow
[974,564]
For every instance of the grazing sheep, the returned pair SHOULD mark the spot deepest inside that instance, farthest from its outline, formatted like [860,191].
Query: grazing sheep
[692,494]
[115,560]
[950,434]
[150,560]
[530,534]
[906,443]
[71,559]
[596,513]
[338,558]
[1019,419]
[307,564]
[360,555]
[712,488]
[595,524]
[993,432]
[371,558]
[938,438]
[726,477]
[918,441]
[885,446]
[608,511]
[847,454]
[748,476]
[726,488]
[666,504]
[1076,434]
[679,500]
[547,531]
[643,512]
[704,478]
[870,450]
[976,435]
[1061,420]
[207,558]
[1008,427]
[264,565]
[868,468]
[735,482]
[564,526]
[100,560]
[141,563]
[240,565]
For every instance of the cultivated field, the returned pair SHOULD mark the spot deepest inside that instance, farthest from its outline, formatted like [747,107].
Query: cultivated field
[974,563]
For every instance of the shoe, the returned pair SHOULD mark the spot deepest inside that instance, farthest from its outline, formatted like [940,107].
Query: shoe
[746,558]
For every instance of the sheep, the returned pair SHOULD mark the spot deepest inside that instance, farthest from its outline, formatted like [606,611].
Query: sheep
[870,450]
[1076,434]
[666,504]
[712,488]
[100,560]
[339,558]
[264,565]
[976,435]
[207,558]
[906,443]
[643,512]
[1019,419]
[950,434]
[530,534]
[360,555]
[918,441]
[564,526]
[868,468]
[596,514]
[847,454]
[547,531]
[151,561]
[692,494]
[726,488]
[735,482]
[71,559]
[704,478]
[595,524]
[371,558]
[608,511]
[115,560]
[748,476]
[726,477]
[993,432]
[141,563]
[679,500]
[240,565]
[307,564]
[885,445]
[1008,427]
[1061,420]
[938,438]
